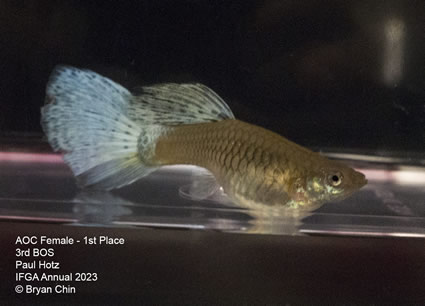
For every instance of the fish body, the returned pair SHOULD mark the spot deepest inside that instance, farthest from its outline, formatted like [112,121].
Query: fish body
[111,138]
[255,166]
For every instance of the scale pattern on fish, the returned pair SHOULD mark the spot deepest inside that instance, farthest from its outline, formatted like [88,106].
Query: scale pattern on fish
[111,137]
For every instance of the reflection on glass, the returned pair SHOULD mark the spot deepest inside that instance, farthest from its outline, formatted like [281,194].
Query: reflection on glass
[393,51]
[40,188]
[98,207]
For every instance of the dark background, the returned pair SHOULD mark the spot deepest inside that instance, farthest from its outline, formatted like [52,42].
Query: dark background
[171,267]
[309,70]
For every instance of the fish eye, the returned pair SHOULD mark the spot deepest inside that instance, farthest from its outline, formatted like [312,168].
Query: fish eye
[335,179]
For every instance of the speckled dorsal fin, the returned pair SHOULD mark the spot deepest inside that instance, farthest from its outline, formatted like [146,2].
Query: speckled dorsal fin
[173,104]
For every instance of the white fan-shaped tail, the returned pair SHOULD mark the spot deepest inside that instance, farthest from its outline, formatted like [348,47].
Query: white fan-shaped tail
[109,135]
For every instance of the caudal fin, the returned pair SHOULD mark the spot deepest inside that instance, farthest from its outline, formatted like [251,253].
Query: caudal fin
[107,134]
[86,118]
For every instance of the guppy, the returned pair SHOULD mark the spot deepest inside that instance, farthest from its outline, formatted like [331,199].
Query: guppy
[111,137]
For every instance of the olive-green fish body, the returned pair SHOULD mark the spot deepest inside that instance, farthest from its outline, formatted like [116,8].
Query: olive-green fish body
[255,166]
[112,137]
[244,158]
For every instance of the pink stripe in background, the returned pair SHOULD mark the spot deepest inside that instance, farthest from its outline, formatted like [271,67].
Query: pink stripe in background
[31,157]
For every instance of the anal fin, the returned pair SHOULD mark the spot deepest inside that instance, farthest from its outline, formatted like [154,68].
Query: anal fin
[204,186]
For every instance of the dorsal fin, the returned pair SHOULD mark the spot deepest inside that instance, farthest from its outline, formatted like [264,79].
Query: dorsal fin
[173,104]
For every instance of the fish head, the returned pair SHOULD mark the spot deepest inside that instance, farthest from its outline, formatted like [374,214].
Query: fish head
[333,182]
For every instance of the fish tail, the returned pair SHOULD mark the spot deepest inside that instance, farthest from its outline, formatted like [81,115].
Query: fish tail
[85,118]
[108,134]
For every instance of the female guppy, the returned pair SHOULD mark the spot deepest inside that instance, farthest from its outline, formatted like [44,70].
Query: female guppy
[111,138]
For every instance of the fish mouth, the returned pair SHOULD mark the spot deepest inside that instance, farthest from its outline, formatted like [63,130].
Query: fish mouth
[359,180]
